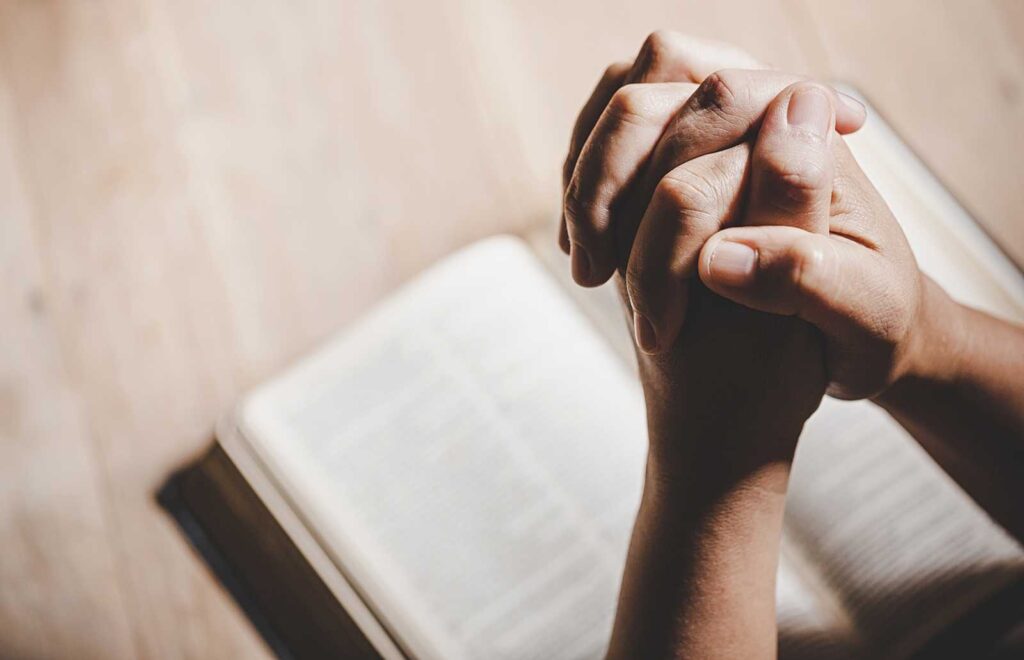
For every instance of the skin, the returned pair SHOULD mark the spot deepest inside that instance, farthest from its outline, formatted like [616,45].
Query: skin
[700,580]
[760,268]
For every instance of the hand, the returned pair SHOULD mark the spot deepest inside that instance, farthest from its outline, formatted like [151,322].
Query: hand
[951,375]
[859,284]
[632,134]
[749,380]
[726,398]
[665,57]
[655,131]
[661,177]
[642,120]
[870,337]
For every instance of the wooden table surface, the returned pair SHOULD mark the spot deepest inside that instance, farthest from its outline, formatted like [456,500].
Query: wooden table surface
[194,193]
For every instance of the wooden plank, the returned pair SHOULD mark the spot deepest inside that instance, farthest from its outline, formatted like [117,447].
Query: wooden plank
[58,569]
[135,304]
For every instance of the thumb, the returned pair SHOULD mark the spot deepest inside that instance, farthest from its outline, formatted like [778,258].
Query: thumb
[791,164]
[790,271]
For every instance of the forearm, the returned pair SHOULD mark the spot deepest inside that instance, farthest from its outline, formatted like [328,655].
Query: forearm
[963,400]
[700,576]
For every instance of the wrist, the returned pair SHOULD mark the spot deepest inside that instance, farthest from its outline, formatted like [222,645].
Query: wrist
[698,450]
[936,344]
[699,486]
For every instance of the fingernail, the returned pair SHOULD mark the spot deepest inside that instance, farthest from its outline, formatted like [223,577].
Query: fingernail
[646,340]
[732,264]
[852,104]
[580,264]
[810,110]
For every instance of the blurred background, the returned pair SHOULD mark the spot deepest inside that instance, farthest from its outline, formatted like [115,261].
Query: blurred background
[192,194]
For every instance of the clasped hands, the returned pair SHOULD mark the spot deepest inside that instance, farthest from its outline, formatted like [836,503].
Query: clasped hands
[759,265]
[760,269]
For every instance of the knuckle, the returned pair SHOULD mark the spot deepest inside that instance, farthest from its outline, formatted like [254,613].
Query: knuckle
[806,272]
[791,184]
[568,166]
[630,103]
[640,283]
[658,46]
[716,94]
[582,212]
[612,72]
[688,192]
[572,203]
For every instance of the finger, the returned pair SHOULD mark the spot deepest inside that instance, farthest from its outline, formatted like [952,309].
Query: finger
[690,204]
[829,282]
[612,79]
[612,158]
[726,107]
[792,163]
[780,269]
[665,56]
[723,112]
[668,56]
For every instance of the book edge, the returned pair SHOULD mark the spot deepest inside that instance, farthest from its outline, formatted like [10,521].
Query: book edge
[231,438]
[172,501]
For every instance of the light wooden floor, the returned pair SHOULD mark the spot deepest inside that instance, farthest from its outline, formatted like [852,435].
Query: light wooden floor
[193,193]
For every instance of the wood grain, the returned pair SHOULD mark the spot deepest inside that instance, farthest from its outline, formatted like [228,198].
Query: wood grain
[192,194]
[58,567]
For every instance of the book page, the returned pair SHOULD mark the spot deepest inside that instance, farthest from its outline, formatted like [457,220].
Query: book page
[472,455]
[904,547]
[812,622]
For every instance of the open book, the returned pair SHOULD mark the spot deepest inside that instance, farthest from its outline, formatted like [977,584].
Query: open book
[456,475]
